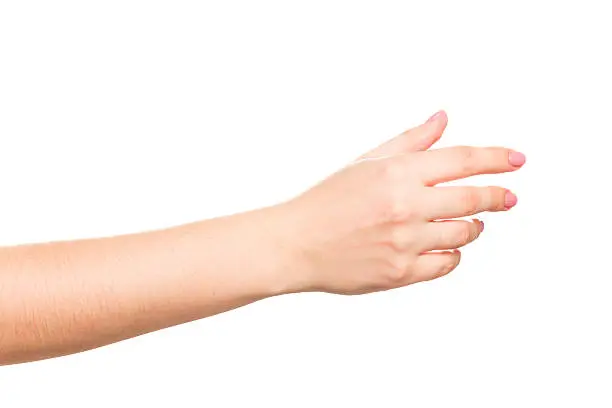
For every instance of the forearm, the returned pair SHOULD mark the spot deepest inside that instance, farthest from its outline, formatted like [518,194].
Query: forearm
[378,224]
[64,297]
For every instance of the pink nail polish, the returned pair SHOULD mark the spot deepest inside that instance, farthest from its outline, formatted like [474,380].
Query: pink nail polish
[510,200]
[481,225]
[435,116]
[516,159]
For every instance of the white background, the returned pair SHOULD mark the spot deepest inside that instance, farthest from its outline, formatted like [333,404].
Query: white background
[123,116]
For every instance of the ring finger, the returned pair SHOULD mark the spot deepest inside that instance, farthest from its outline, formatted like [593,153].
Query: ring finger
[456,202]
[449,234]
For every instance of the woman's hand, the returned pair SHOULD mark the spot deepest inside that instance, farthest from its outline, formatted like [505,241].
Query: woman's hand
[373,225]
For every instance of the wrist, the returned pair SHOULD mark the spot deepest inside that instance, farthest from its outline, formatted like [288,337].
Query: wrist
[280,229]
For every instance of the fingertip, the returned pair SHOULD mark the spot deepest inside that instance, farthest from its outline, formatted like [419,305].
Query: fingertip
[419,138]
[456,254]
[516,159]
[510,200]
[438,116]
[431,131]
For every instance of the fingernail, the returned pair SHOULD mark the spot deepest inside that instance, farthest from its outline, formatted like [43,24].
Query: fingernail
[516,159]
[435,116]
[481,225]
[510,200]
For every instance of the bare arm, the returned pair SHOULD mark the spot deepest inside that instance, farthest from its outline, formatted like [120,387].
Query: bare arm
[371,226]
[64,297]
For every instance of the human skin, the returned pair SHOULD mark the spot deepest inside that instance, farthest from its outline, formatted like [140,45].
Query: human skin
[371,226]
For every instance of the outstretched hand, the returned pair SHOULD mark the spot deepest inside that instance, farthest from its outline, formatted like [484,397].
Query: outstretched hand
[383,221]
[380,223]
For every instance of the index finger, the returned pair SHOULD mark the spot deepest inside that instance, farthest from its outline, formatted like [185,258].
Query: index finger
[453,163]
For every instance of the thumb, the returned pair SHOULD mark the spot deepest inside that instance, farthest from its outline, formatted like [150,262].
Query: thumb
[413,140]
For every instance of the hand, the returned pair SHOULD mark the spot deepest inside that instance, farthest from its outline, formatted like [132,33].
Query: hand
[373,225]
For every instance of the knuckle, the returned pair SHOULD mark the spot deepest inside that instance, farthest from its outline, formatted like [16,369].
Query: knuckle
[467,157]
[398,239]
[402,263]
[392,170]
[395,206]
[471,200]
[395,278]
[399,270]
[396,190]
[466,153]
[497,198]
